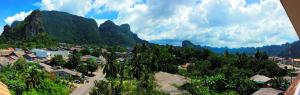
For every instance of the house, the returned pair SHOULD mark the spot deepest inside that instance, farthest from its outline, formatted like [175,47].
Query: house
[40,53]
[12,58]
[65,73]
[59,71]
[30,57]
[98,60]
[64,54]
[294,61]
[86,57]
[4,61]
[122,54]
[19,53]
[4,89]
[77,48]
[292,9]
[260,79]
[6,52]
[268,91]
[46,67]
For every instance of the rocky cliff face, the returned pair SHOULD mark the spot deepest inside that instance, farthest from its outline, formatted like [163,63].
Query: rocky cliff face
[33,24]
[26,29]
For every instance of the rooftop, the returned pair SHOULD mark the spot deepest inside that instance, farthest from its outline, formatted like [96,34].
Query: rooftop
[260,78]
[267,91]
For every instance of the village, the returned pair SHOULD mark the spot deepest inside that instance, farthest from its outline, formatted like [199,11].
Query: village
[82,83]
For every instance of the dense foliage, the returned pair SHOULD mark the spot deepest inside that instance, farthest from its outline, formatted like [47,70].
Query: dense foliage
[210,73]
[25,78]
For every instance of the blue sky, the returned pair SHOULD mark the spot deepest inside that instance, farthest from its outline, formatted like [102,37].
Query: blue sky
[219,23]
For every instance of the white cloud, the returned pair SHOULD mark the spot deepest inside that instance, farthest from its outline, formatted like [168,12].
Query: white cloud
[232,23]
[220,23]
[77,7]
[112,5]
[17,17]
[1,30]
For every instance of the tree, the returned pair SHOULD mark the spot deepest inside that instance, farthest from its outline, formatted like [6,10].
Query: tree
[34,76]
[111,69]
[74,60]
[101,88]
[31,80]
[83,68]
[57,61]
[226,53]
[92,65]
[20,63]
[200,68]
[85,52]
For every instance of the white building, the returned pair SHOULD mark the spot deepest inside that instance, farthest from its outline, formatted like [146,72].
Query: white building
[64,54]
[50,54]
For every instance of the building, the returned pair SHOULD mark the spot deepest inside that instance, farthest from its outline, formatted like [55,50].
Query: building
[40,53]
[60,72]
[30,57]
[6,52]
[13,58]
[64,54]
[268,91]
[77,48]
[292,9]
[65,73]
[294,87]
[260,79]
[19,53]
[86,57]
[4,89]
[4,61]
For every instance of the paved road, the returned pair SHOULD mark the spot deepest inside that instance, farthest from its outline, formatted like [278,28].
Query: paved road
[85,88]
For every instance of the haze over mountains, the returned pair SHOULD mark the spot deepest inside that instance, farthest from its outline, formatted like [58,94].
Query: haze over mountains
[284,50]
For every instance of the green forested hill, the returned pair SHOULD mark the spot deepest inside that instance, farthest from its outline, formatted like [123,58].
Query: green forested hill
[112,34]
[68,28]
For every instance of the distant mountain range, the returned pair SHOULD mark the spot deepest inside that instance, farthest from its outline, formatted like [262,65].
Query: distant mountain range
[284,50]
[68,28]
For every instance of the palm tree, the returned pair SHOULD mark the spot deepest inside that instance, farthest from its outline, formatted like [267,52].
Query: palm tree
[101,88]
[111,69]
[34,76]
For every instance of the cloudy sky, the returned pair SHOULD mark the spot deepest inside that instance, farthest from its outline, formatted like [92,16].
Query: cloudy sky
[219,23]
